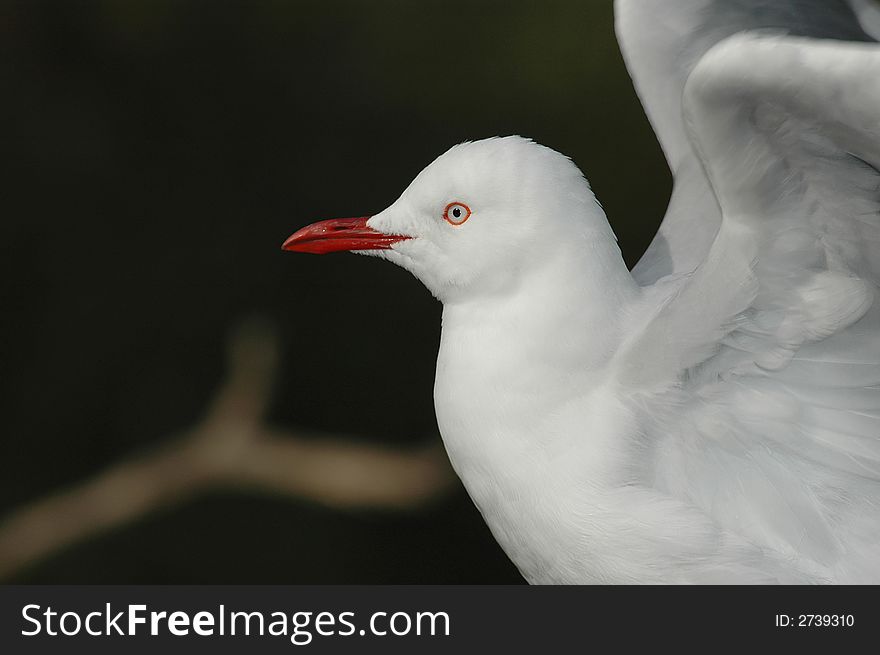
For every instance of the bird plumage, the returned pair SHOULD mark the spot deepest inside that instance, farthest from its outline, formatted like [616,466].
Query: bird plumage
[787,131]
[713,416]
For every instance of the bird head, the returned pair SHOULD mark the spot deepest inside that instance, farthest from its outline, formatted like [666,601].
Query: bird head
[474,220]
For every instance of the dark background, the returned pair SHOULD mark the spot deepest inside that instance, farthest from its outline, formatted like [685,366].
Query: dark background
[154,157]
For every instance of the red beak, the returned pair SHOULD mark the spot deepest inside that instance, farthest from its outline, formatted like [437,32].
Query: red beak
[340,234]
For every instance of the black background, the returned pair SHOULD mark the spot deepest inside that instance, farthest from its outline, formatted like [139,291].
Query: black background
[154,157]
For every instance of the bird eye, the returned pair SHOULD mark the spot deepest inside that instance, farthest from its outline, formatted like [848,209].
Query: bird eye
[456,213]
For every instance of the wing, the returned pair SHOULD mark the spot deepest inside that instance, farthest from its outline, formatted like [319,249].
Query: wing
[661,43]
[766,393]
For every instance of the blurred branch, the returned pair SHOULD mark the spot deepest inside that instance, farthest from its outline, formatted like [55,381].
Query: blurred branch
[229,448]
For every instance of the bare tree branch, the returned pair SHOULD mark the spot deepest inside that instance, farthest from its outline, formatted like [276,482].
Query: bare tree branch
[229,448]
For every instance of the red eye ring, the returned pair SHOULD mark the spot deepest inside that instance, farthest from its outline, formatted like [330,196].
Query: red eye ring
[456,213]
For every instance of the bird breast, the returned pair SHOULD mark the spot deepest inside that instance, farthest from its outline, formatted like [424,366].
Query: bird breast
[533,456]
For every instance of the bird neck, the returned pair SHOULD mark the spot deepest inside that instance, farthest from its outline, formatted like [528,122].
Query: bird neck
[566,312]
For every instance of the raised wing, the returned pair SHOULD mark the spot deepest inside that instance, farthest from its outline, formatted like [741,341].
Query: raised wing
[789,133]
[769,369]
[661,43]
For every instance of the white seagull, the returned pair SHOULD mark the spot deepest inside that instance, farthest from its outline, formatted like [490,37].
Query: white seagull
[712,416]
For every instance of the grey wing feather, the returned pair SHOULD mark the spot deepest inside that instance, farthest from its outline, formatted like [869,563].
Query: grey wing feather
[661,43]
[770,421]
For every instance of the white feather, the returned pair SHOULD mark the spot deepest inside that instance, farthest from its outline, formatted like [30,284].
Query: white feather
[714,416]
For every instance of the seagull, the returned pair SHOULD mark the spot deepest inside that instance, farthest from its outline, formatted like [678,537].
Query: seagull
[713,415]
